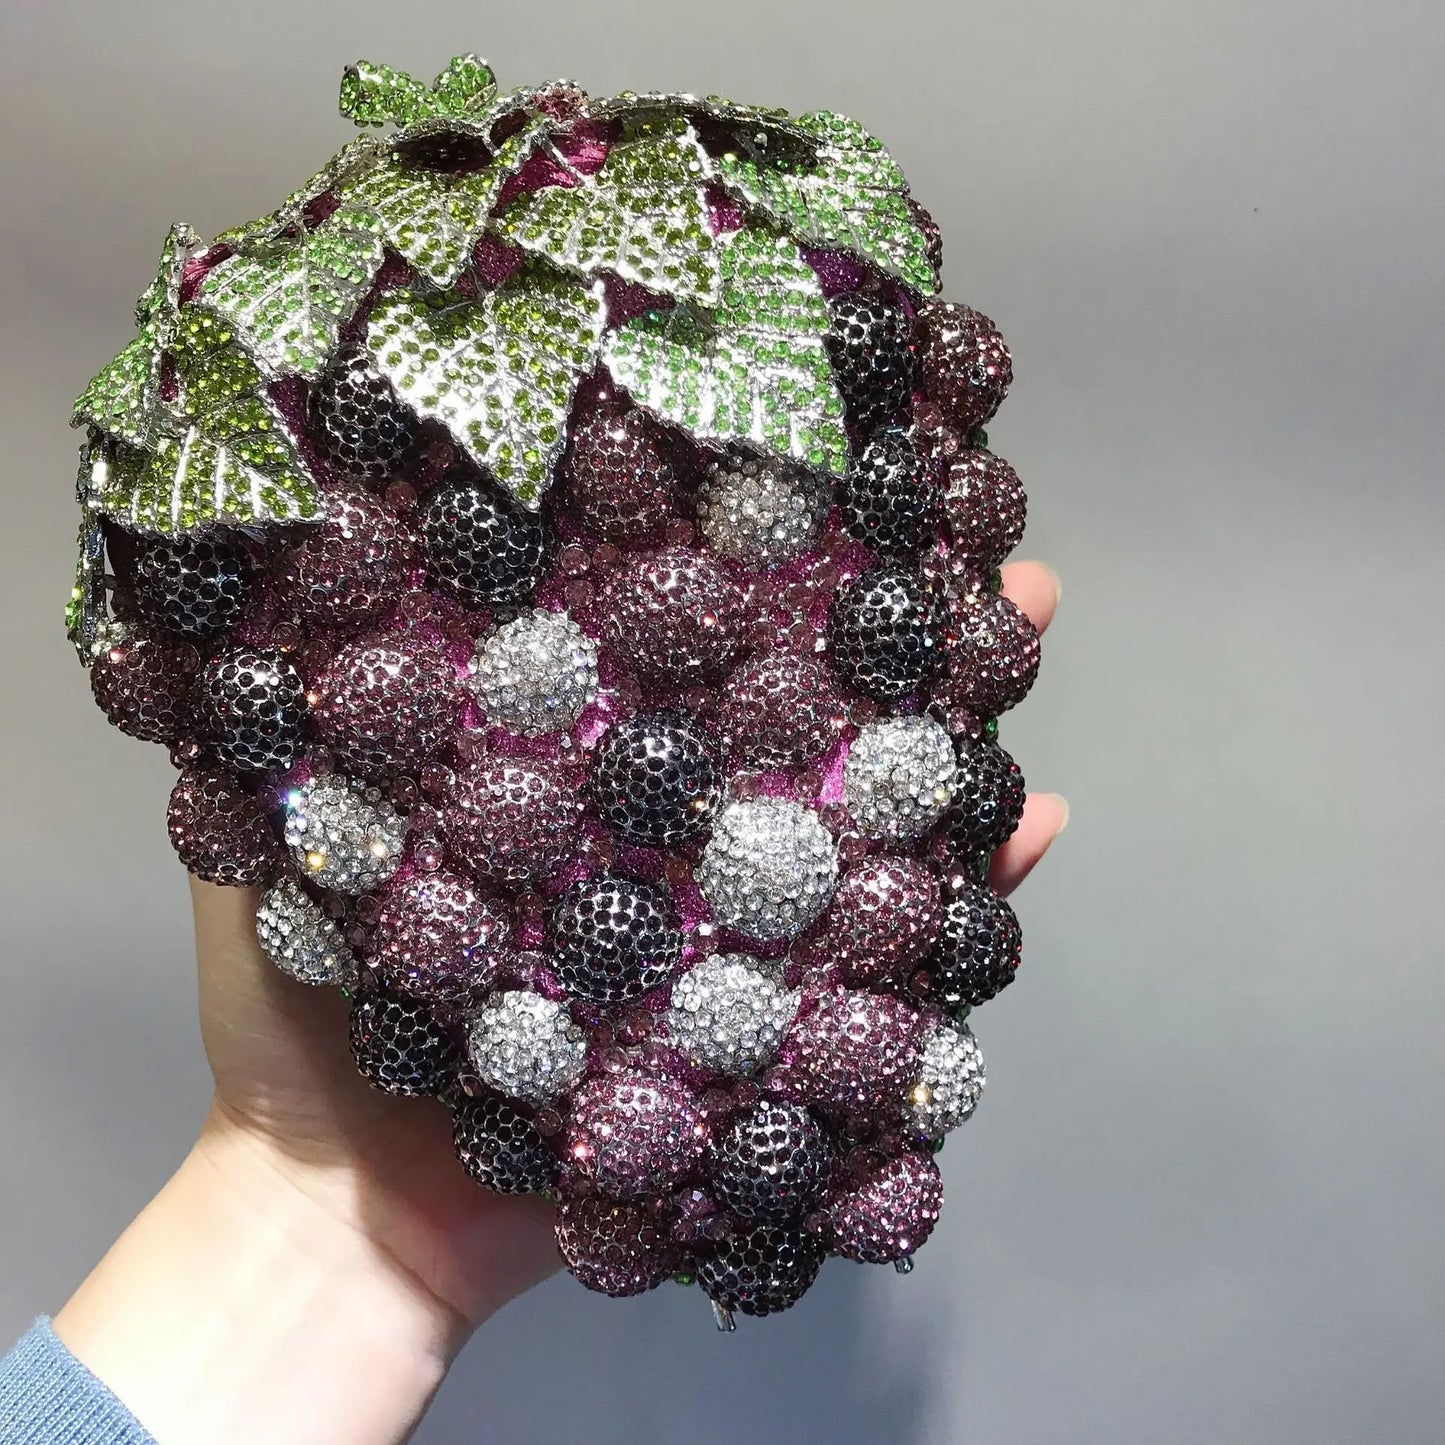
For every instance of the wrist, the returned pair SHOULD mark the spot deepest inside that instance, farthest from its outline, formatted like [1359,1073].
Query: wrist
[248,1301]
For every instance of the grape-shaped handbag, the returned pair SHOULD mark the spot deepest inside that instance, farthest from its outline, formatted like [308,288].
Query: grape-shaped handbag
[559,547]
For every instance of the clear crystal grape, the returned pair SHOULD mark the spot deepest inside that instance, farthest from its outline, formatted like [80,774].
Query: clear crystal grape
[344,835]
[298,937]
[730,1015]
[899,777]
[769,868]
[526,1046]
[535,674]
[761,511]
[950,1080]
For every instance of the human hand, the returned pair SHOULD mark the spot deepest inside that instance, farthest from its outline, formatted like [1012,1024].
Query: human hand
[314,1265]
[1036,590]
[378,1166]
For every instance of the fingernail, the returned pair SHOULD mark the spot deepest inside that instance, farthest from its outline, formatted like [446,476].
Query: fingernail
[1063,806]
[1058,596]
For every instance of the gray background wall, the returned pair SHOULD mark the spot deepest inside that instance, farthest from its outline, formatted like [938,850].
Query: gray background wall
[1203,1199]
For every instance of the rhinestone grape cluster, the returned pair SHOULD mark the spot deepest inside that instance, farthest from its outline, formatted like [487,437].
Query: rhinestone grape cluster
[559,549]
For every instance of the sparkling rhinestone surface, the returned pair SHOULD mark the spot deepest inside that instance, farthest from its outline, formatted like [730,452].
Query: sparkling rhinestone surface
[559,548]
[633,1134]
[674,616]
[481,546]
[853,1051]
[194,586]
[762,1270]
[386,707]
[978,947]
[883,636]
[950,1080]
[501,1149]
[218,830]
[729,1015]
[399,1045]
[986,508]
[297,936]
[988,797]
[966,366]
[514,820]
[769,868]
[145,685]
[870,344]
[614,1246]
[899,776]
[526,1047]
[888,500]
[884,919]
[343,834]
[889,1213]
[437,939]
[656,779]
[782,710]
[613,938]
[252,704]
[772,1163]
[358,424]
[761,511]
[536,673]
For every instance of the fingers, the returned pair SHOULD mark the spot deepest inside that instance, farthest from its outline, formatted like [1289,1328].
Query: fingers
[1045,817]
[1034,588]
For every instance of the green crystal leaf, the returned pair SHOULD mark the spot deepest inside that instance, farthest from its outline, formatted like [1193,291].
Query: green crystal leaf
[477,124]
[432,217]
[853,197]
[753,371]
[373,94]
[122,399]
[287,300]
[463,102]
[85,609]
[222,454]
[465,85]
[353,159]
[764,125]
[159,305]
[643,216]
[498,372]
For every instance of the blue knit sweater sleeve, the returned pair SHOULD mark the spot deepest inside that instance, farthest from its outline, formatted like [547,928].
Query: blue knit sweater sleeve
[47,1397]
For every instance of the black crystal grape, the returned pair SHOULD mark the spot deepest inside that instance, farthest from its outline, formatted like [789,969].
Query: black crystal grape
[978,947]
[482,547]
[870,346]
[888,500]
[358,424]
[988,797]
[501,1148]
[614,938]
[882,634]
[771,1164]
[399,1046]
[656,779]
[196,586]
[762,1270]
[252,708]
